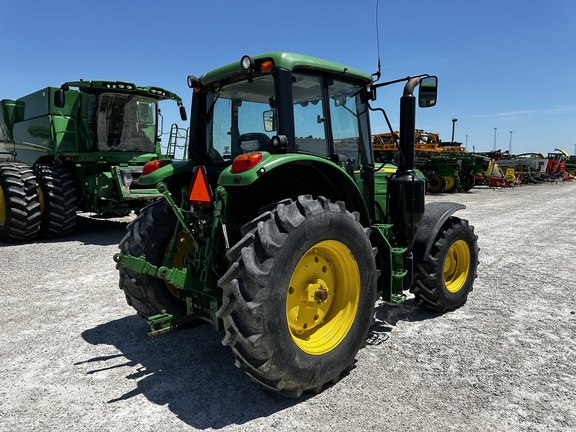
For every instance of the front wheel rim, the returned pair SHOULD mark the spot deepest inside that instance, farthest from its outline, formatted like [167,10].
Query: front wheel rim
[323,297]
[457,266]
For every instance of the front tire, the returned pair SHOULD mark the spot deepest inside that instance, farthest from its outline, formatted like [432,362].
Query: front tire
[19,203]
[298,297]
[149,235]
[444,279]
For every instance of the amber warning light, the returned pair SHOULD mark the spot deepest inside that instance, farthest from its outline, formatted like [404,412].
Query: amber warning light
[200,192]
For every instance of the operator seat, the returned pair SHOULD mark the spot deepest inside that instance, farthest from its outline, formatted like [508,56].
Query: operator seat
[253,141]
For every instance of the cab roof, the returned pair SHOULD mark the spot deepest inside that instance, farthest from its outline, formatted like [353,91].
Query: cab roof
[291,62]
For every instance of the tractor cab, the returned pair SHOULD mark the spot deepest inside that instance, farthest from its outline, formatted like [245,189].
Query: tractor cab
[270,104]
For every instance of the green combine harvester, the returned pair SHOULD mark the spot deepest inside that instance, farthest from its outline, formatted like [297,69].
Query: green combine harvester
[63,151]
[282,230]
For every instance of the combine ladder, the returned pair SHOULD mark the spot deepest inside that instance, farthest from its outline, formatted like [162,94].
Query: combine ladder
[177,142]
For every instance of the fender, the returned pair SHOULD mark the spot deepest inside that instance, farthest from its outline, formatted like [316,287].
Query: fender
[168,169]
[266,164]
[435,215]
[300,174]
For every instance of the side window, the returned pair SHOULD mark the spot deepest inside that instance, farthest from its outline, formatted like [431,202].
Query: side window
[344,121]
[309,117]
[220,126]
[348,119]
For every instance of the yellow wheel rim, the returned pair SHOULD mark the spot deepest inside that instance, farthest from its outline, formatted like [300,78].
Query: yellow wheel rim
[457,266]
[323,296]
[182,253]
[449,182]
[435,183]
[2,207]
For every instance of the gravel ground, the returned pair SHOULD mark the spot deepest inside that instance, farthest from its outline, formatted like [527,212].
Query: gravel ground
[74,356]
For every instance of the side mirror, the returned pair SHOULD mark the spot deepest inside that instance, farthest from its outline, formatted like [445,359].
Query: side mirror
[269,121]
[428,92]
[59,98]
[183,114]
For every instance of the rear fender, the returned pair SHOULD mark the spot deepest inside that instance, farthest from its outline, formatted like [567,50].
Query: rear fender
[435,215]
[168,170]
[277,177]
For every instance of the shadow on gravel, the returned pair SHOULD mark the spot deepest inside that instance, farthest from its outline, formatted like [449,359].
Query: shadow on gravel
[102,232]
[188,370]
[90,231]
[93,231]
[387,316]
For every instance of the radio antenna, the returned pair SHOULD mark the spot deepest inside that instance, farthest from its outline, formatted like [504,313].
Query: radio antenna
[376,75]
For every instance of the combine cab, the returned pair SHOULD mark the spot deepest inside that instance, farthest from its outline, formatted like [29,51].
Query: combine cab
[63,151]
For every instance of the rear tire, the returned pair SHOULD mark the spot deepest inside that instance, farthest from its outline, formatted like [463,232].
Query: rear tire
[444,279]
[298,297]
[19,203]
[57,200]
[149,235]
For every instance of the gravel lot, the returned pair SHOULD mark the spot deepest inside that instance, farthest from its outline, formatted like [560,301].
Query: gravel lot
[74,356]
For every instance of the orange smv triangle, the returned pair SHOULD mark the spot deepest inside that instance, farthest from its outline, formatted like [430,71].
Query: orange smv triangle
[200,192]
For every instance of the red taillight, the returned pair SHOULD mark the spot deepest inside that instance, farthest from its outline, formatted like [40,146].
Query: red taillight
[152,166]
[246,161]
[200,191]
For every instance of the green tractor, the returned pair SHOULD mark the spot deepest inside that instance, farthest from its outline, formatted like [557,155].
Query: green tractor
[63,151]
[280,228]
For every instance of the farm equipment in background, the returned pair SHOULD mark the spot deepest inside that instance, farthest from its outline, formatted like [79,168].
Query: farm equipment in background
[528,167]
[494,177]
[571,166]
[63,151]
[557,167]
[446,165]
[282,229]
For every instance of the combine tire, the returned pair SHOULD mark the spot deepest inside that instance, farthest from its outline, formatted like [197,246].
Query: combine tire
[437,184]
[19,203]
[149,234]
[444,279]
[57,200]
[298,297]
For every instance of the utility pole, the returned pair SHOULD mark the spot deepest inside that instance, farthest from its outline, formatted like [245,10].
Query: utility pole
[510,146]
[494,148]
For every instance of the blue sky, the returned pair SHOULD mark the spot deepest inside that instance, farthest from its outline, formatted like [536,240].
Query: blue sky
[504,64]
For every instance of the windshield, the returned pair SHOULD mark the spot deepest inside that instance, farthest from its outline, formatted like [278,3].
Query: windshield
[330,117]
[125,123]
[235,118]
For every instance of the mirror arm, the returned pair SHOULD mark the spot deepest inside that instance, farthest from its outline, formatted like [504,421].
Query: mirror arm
[412,83]
[415,79]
